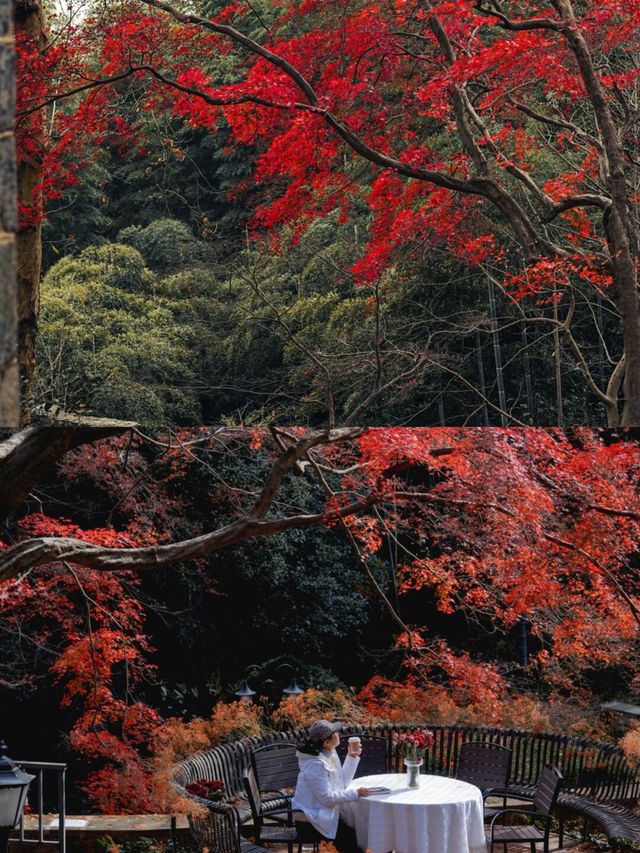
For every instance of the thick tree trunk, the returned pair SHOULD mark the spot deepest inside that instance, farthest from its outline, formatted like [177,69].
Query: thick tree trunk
[626,297]
[618,224]
[29,21]
[26,455]
[9,397]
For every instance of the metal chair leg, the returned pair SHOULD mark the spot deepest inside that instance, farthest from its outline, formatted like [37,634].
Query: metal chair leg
[561,831]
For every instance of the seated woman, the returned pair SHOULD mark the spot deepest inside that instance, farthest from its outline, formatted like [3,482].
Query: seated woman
[322,785]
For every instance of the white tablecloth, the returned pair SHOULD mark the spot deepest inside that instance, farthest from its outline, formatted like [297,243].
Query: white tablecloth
[441,816]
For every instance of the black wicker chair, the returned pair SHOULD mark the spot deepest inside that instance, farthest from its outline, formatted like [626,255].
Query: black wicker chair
[276,770]
[599,784]
[282,831]
[544,800]
[487,766]
[374,759]
[219,832]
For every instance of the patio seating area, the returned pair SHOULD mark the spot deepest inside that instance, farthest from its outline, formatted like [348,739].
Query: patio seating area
[598,785]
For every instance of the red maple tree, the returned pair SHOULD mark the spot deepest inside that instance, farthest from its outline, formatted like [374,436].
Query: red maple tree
[497,525]
[504,133]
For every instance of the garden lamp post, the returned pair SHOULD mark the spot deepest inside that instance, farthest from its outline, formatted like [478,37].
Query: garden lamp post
[294,688]
[14,784]
[244,692]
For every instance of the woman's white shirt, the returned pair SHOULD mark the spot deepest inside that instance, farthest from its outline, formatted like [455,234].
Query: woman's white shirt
[322,789]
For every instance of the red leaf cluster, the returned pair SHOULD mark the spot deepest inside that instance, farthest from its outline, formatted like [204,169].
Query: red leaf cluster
[206,789]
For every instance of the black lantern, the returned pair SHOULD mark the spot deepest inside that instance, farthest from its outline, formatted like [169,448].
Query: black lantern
[14,784]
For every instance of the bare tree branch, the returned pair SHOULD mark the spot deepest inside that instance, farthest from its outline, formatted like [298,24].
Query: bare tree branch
[441,179]
[492,10]
[21,558]
[635,610]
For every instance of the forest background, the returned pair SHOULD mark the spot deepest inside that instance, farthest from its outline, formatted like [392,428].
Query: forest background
[396,571]
[402,214]
[432,219]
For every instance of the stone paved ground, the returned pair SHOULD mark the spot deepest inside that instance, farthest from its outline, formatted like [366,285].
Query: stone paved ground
[83,838]
[571,846]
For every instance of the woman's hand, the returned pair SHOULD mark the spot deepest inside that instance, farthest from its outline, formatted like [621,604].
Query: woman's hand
[363,792]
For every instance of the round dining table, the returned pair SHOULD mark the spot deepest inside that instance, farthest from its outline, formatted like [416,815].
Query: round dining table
[441,816]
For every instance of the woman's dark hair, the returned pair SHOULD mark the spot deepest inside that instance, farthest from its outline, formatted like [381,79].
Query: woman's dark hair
[309,747]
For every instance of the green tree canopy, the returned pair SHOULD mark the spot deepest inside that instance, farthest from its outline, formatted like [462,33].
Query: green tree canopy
[110,342]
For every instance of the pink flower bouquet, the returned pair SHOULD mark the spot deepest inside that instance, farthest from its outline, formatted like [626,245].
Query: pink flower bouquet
[413,745]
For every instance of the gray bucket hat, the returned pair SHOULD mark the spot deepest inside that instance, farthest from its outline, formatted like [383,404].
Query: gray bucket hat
[322,729]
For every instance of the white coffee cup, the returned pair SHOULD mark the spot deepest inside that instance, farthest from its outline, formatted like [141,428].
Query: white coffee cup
[354,744]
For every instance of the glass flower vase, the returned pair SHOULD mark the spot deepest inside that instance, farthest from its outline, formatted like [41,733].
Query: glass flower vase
[413,772]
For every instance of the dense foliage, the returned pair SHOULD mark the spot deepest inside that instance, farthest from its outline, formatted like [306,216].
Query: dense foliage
[412,592]
[461,172]
[115,653]
[114,340]
[240,338]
